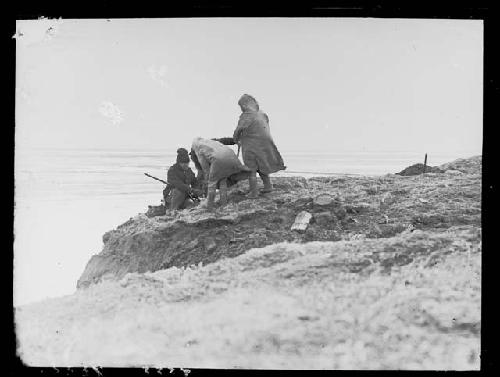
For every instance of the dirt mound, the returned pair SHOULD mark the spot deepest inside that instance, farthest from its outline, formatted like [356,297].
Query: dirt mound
[472,165]
[417,169]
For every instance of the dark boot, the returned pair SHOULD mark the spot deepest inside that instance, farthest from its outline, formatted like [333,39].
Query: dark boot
[266,180]
[254,191]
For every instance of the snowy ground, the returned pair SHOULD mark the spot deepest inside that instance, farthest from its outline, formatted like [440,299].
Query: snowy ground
[282,306]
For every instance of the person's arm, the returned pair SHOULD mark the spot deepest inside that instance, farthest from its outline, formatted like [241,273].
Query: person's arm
[199,177]
[194,180]
[243,123]
[203,174]
[225,140]
[175,181]
[205,167]
[196,183]
[194,158]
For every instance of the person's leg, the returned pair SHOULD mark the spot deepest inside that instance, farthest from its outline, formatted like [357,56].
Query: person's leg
[250,160]
[252,182]
[266,180]
[235,178]
[211,194]
[200,182]
[177,199]
[223,191]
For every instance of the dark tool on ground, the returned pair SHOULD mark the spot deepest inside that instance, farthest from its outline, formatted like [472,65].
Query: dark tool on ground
[192,196]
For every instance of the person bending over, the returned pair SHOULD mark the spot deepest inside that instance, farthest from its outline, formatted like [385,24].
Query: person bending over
[218,167]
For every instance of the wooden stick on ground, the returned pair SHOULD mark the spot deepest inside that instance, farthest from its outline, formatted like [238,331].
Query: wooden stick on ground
[425,163]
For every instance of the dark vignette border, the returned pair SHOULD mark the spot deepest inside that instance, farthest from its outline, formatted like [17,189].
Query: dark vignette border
[380,9]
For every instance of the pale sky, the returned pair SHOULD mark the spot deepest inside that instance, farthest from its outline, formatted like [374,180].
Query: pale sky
[327,84]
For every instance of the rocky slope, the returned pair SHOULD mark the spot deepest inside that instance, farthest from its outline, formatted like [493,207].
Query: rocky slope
[360,207]
[386,276]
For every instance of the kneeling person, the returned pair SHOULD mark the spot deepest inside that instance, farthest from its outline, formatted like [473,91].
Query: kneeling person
[181,182]
[219,166]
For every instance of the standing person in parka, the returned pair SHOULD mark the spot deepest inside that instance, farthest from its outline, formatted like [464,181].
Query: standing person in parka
[258,149]
[218,166]
[181,182]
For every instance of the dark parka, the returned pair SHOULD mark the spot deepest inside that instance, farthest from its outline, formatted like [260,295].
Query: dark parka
[180,179]
[258,149]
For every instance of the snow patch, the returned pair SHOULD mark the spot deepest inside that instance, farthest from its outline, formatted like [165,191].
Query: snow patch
[158,74]
[112,112]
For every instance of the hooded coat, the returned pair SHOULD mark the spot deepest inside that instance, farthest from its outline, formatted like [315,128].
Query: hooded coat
[258,149]
[217,160]
[180,179]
